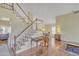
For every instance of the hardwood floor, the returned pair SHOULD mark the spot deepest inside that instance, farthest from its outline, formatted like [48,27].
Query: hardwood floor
[54,52]
[58,51]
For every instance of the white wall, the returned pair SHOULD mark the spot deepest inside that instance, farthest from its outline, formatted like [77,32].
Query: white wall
[69,24]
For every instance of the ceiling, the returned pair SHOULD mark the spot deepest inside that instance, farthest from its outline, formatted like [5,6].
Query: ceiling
[49,11]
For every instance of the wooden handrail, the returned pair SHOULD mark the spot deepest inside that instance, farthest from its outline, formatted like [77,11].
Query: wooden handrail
[24,30]
[7,4]
[27,28]
[20,16]
[23,12]
[6,7]
[12,8]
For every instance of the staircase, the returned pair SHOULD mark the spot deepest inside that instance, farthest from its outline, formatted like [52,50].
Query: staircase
[22,40]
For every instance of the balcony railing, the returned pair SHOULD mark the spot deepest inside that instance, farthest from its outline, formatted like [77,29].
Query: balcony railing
[6,6]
